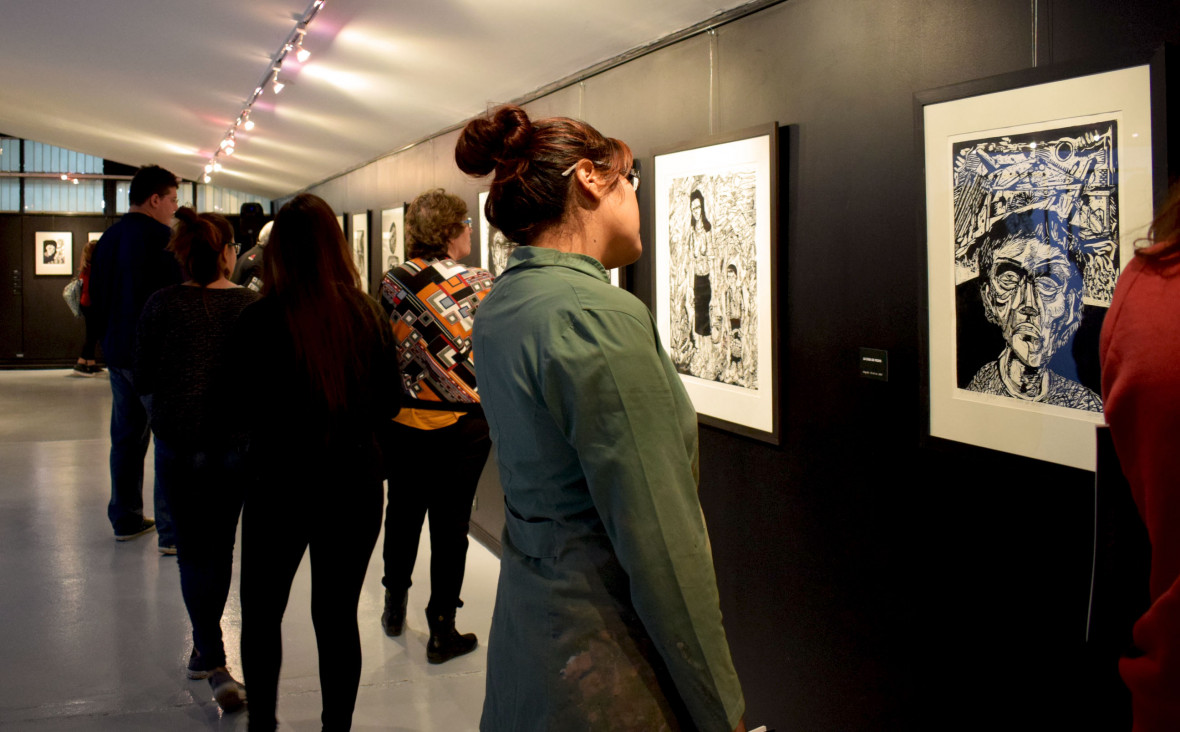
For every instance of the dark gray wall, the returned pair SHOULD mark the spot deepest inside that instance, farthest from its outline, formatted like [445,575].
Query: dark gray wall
[868,582]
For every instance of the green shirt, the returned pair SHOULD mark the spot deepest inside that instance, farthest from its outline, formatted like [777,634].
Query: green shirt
[607,614]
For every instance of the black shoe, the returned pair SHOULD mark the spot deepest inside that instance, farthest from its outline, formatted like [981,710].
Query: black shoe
[196,667]
[393,620]
[148,526]
[446,642]
[81,369]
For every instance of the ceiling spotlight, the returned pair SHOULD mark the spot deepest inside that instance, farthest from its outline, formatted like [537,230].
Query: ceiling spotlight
[207,178]
[216,167]
[64,176]
[229,150]
[224,143]
[249,124]
[209,168]
[75,181]
[278,85]
[302,54]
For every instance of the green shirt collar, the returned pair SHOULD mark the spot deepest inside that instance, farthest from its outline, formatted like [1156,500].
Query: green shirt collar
[527,257]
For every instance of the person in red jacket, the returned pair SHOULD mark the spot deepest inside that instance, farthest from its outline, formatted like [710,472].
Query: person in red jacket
[1140,353]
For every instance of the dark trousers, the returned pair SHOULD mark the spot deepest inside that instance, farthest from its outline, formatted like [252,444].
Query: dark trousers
[204,490]
[435,473]
[129,444]
[336,514]
[91,342]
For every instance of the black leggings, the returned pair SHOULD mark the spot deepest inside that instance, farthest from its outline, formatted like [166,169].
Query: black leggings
[91,341]
[338,517]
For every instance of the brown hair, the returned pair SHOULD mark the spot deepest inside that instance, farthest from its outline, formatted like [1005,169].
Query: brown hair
[309,270]
[432,220]
[1164,234]
[88,255]
[529,193]
[197,244]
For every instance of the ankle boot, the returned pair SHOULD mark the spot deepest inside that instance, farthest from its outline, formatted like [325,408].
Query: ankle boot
[393,620]
[446,642]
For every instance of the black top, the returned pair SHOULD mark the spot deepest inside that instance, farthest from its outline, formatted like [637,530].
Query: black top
[180,361]
[248,271]
[130,263]
[290,423]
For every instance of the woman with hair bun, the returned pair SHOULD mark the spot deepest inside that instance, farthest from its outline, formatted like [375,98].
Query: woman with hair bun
[607,613]
[180,373]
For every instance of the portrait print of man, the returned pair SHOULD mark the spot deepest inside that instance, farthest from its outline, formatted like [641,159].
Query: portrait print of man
[1031,270]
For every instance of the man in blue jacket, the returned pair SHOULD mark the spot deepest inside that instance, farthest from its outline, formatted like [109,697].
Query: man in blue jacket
[130,263]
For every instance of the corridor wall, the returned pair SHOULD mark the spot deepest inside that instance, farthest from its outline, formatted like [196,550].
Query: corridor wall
[869,581]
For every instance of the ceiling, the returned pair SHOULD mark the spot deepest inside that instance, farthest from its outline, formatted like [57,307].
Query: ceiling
[145,81]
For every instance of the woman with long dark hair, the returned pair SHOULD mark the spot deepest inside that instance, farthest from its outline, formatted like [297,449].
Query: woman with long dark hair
[1141,397]
[607,614]
[86,365]
[180,362]
[327,388]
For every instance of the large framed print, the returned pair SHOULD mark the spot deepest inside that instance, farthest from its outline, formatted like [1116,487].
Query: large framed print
[53,252]
[715,292]
[1036,187]
[360,244]
[393,237]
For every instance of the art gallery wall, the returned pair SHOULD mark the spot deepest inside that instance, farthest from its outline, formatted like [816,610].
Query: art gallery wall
[868,582]
[37,329]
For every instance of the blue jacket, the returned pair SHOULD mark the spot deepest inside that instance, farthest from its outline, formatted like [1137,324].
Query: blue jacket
[130,263]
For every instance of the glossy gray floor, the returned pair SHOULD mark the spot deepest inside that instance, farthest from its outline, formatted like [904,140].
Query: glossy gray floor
[93,633]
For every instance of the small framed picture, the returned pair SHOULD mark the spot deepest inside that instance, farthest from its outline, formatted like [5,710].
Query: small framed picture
[360,244]
[53,251]
[393,237]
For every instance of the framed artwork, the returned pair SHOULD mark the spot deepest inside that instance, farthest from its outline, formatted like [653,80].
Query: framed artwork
[494,247]
[715,292]
[360,244]
[1036,186]
[93,236]
[53,252]
[340,220]
[393,238]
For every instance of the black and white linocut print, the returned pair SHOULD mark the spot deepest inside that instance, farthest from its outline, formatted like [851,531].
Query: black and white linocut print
[713,277]
[1036,224]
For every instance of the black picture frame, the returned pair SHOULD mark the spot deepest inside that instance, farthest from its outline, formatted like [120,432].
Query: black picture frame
[729,254]
[1081,146]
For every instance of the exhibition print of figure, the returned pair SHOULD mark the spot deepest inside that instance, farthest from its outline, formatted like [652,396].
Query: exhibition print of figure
[393,240]
[1036,220]
[714,328]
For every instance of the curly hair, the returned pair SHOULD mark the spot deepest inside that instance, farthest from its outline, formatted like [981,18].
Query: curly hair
[432,221]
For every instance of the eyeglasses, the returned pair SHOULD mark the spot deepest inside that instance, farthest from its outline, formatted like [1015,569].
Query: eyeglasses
[237,248]
[466,221]
[632,175]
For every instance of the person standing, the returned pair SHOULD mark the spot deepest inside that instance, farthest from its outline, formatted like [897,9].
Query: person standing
[86,365]
[431,301]
[180,372]
[314,459]
[248,271]
[131,262]
[607,612]
[1138,349]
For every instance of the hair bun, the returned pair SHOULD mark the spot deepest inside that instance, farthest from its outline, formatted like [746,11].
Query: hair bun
[186,215]
[500,138]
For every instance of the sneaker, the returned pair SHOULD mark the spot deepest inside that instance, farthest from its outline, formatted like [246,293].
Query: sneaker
[196,668]
[95,369]
[228,691]
[148,526]
[81,369]
[168,550]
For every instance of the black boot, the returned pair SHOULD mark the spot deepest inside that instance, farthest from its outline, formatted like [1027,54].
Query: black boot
[446,642]
[393,620]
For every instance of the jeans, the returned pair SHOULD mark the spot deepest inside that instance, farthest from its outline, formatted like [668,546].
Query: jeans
[204,490]
[435,473]
[129,443]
